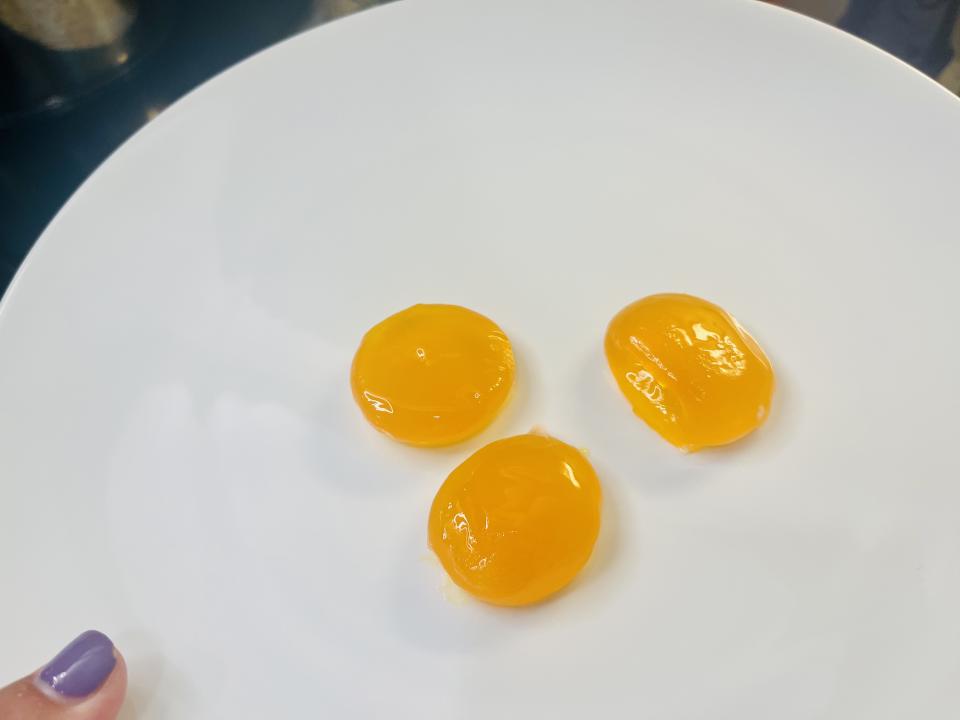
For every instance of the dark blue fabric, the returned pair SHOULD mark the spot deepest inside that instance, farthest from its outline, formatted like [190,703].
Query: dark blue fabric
[916,31]
[44,156]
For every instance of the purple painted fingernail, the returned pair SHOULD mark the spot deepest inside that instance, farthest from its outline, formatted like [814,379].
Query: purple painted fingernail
[81,667]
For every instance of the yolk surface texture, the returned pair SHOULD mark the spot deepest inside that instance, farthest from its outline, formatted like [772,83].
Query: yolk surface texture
[432,374]
[517,520]
[689,370]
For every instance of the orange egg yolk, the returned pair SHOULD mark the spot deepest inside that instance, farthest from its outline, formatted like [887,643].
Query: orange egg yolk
[517,520]
[689,370]
[432,374]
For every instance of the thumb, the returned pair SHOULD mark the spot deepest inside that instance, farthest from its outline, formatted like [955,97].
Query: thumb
[85,681]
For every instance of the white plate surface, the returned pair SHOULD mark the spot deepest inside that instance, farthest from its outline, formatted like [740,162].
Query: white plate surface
[182,465]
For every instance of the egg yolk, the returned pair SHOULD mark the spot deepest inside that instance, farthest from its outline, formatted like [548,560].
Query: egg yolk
[517,520]
[432,374]
[689,370]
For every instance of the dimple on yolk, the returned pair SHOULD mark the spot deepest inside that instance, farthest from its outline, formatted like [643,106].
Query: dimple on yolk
[517,520]
[432,374]
[689,370]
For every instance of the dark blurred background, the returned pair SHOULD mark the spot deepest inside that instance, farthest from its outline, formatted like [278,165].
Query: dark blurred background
[78,77]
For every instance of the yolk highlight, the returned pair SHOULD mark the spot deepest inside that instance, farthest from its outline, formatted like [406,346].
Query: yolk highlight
[689,370]
[517,520]
[432,374]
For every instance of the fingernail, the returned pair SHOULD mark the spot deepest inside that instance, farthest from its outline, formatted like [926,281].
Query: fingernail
[81,667]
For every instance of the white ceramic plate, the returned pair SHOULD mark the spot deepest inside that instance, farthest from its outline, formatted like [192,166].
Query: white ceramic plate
[183,466]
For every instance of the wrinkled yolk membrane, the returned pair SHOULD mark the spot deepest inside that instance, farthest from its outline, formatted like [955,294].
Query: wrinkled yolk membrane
[517,520]
[689,370]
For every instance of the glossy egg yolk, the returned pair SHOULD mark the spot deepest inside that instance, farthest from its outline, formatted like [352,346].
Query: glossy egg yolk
[689,370]
[432,374]
[517,520]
